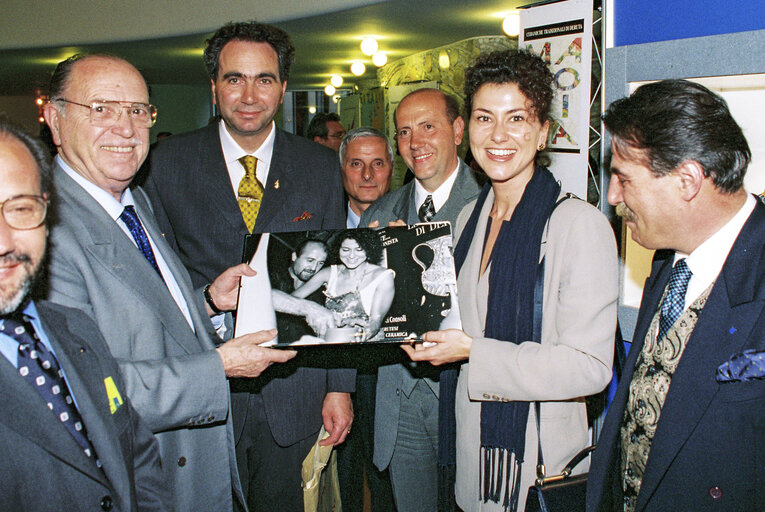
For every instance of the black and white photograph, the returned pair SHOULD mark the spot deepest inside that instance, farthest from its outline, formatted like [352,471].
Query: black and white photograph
[362,285]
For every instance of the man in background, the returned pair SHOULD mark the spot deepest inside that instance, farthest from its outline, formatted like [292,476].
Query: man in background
[428,131]
[366,163]
[326,129]
[243,176]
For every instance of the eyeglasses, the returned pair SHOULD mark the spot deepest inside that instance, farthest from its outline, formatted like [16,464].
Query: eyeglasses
[107,113]
[24,212]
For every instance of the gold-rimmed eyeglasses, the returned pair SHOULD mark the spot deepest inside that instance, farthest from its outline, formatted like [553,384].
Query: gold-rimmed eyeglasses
[24,212]
[107,113]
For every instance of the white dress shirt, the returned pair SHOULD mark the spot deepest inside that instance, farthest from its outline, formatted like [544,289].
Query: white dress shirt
[707,259]
[114,209]
[353,219]
[440,195]
[232,152]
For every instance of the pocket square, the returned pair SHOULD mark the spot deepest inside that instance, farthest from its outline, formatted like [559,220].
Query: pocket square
[743,367]
[304,216]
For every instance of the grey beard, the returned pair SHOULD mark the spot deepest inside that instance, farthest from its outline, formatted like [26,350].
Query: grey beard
[13,304]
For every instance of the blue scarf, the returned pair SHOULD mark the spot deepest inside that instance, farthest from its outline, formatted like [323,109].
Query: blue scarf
[514,260]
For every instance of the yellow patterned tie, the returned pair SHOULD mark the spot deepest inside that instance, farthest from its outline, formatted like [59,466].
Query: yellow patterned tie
[250,192]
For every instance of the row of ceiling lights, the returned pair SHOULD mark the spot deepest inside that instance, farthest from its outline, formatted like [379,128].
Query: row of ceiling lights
[369,46]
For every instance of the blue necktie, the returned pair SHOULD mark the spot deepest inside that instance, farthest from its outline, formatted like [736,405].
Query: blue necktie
[40,368]
[130,218]
[674,302]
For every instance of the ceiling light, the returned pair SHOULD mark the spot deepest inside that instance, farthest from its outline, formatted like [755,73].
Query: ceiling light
[443,60]
[312,109]
[379,59]
[512,24]
[369,46]
[358,68]
[336,80]
[329,90]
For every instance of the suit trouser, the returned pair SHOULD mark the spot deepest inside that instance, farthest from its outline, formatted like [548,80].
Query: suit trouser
[270,474]
[414,466]
[354,457]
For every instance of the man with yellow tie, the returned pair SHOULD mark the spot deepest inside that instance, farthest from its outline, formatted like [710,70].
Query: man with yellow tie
[212,187]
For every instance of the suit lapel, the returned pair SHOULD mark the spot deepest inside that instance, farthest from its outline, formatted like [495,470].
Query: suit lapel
[461,192]
[722,330]
[103,238]
[26,413]
[85,378]
[214,179]
[276,197]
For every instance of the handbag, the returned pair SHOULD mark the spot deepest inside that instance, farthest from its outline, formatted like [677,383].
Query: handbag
[558,493]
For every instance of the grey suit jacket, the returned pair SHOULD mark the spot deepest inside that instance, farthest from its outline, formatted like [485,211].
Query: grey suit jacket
[303,192]
[43,468]
[403,374]
[173,376]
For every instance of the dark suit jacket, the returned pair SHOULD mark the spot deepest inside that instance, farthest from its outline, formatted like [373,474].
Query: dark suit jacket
[710,440]
[196,207]
[43,468]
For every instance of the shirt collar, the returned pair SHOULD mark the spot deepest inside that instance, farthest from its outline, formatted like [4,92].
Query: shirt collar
[440,195]
[232,151]
[707,259]
[353,219]
[105,199]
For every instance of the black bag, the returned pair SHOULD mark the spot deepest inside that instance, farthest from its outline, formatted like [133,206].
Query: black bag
[559,493]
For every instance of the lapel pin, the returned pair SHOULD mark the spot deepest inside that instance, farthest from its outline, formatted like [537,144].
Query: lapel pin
[276,184]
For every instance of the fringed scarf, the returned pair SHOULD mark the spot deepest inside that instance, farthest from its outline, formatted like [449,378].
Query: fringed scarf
[509,317]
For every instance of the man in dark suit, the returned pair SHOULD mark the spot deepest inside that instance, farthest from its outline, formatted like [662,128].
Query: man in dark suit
[325,129]
[86,448]
[685,430]
[428,131]
[109,259]
[244,175]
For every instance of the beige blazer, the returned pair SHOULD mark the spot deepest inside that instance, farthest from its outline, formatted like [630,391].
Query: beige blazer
[573,360]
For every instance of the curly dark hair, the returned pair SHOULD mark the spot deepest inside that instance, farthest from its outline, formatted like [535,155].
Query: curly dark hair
[519,67]
[672,121]
[365,237]
[253,32]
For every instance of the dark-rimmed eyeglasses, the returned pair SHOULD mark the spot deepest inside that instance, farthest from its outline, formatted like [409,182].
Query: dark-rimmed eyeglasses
[24,212]
[107,113]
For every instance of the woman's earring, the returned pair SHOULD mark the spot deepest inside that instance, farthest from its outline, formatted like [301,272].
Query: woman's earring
[541,146]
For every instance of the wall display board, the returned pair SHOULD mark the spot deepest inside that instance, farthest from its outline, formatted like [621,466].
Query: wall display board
[730,65]
[561,33]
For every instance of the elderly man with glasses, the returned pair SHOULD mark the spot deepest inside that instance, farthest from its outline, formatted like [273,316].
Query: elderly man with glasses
[109,258]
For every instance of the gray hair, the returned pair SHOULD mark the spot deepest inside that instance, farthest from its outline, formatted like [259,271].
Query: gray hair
[364,131]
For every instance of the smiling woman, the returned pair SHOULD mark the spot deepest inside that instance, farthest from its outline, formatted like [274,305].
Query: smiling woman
[519,220]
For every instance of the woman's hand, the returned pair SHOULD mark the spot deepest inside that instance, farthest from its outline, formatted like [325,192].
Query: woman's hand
[450,346]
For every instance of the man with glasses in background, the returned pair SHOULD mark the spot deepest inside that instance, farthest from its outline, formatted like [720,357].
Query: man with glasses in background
[109,258]
[325,128]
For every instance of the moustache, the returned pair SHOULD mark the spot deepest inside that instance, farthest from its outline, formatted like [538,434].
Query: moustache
[14,257]
[623,211]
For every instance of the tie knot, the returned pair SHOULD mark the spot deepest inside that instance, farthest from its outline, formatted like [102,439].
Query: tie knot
[249,163]
[681,274]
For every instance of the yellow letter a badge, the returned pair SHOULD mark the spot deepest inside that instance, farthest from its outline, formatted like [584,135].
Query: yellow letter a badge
[115,399]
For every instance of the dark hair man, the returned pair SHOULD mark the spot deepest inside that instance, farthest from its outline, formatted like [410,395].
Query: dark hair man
[70,437]
[366,163]
[109,258]
[244,175]
[685,428]
[326,129]
[428,131]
